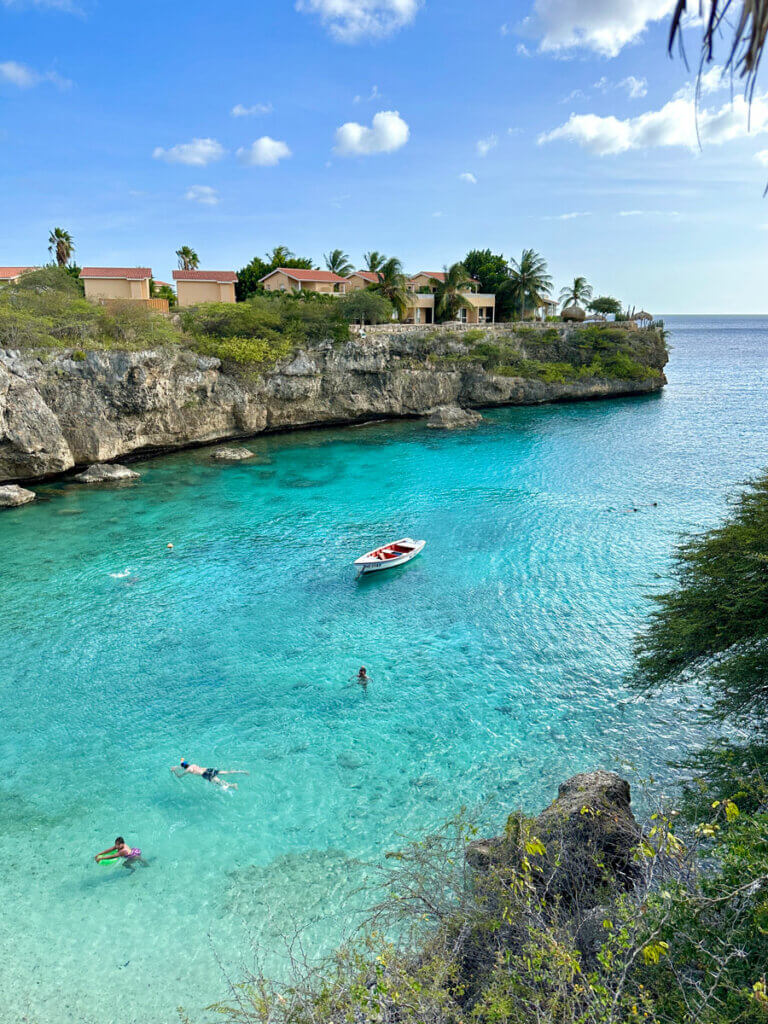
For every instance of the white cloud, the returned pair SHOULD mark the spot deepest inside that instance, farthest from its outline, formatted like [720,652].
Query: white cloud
[570,216]
[522,50]
[203,194]
[636,87]
[673,125]
[762,157]
[258,108]
[264,152]
[605,26]
[196,153]
[350,21]
[387,133]
[484,146]
[373,95]
[25,77]
[649,213]
[470,179]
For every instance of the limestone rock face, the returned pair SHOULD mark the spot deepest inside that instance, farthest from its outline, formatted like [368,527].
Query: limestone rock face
[11,496]
[231,453]
[453,417]
[57,412]
[104,473]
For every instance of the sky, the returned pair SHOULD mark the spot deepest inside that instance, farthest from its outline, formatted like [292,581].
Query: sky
[420,128]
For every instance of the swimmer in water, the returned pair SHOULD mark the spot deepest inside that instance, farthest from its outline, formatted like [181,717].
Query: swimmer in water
[209,774]
[363,678]
[130,854]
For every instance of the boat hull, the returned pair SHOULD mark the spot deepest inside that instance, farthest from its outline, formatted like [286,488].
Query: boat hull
[370,563]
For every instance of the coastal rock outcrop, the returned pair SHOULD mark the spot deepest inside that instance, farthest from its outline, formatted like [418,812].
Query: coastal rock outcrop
[11,496]
[231,453]
[589,835]
[104,473]
[453,417]
[58,413]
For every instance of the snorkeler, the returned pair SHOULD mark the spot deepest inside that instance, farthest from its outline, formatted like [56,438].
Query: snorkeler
[130,854]
[209,774]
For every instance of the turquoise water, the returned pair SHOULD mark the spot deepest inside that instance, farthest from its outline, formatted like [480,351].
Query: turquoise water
[496,657]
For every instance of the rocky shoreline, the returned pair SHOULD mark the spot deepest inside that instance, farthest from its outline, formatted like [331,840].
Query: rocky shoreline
[64,410]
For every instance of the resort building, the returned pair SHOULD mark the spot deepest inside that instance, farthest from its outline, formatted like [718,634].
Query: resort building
[10,275]
[547,308]
[288,279]
[480,308]
[103,284]
[361,279]
[196,286]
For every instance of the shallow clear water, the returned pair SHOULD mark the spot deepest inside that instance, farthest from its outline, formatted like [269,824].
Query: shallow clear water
[497,660]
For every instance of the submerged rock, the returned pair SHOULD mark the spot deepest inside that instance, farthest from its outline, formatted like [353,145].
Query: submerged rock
[12,496]
[452,417]
[105,473]
[231,453]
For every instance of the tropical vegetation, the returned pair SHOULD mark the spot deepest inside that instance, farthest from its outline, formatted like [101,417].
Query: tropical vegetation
[529,281]
[61,246]
[577,293]
[392,285]
[374,261]
[450,294]
[188,258]
[366,307]
[337,262]
[606,305]
[249,277]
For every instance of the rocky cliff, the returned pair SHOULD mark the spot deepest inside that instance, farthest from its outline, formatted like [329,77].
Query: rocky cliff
[64,409]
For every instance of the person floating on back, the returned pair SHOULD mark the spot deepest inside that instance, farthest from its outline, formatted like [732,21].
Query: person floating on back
[130,854]
[209,774]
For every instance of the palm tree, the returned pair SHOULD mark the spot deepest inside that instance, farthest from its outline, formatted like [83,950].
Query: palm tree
[391,285]
[60,244]
[374,261]
[576,294]
[450,294]
[338,263]
[528,279]
[279,256]
[188,258]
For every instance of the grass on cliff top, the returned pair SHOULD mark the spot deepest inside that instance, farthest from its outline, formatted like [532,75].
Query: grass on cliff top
[604,352]
[262,330]
[47,311]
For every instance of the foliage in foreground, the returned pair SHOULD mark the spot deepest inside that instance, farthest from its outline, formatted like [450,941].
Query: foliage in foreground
[688,945]
[712,627]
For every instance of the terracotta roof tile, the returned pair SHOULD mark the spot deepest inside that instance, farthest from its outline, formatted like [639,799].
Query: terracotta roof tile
[8,273]
[123,273]
[367,275]
[324,276]
[218,276]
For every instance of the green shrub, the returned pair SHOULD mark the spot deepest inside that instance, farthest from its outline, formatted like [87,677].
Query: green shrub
[78,356]
[474,334]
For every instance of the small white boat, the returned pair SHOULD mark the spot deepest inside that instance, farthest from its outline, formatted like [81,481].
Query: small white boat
[387,557]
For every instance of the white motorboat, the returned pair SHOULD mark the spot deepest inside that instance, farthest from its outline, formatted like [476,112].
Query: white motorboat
[387,557]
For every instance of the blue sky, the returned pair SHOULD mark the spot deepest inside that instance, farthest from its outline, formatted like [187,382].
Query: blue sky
[556,124]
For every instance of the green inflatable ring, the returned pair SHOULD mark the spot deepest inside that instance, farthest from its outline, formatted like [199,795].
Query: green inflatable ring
[110,860]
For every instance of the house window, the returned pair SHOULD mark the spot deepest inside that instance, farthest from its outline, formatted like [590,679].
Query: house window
[463,315]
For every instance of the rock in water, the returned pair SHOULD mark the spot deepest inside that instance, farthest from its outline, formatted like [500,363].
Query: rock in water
[231,453]
[11,496]
[452,417]
[105,473]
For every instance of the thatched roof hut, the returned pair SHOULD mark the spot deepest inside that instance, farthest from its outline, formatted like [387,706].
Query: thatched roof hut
[574,313]
[642,315]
